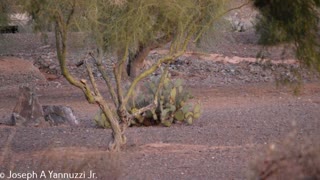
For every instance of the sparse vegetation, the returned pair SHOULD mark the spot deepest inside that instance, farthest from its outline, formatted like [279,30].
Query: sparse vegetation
[65,163]
[241,113]
[130,30]
[291,21]
[288,159]
[171,104]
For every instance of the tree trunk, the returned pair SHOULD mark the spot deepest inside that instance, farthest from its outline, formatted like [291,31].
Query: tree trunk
[120,55]
[136,61]
[119,138]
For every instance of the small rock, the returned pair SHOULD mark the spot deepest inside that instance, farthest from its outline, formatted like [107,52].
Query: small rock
[59,115]
[53,66]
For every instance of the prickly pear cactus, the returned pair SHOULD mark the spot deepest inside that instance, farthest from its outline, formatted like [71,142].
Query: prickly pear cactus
[101,120]
[172,105]
[172,102]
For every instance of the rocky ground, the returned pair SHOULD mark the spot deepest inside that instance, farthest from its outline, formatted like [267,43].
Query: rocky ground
[244,112]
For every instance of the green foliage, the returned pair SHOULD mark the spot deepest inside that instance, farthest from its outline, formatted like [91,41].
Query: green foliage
[3,13]
[269,31]
[101,120]
[116,24]
[291,21]
[122,27]
[7,7]
[44,12]
[172,103]
[143,22]
[291,158]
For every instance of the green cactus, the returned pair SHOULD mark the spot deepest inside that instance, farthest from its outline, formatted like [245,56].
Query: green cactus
[173,94]
[189,120]
[138,117]
[197,111]
[101,120]
[166,123]
[179,115]
[172,105]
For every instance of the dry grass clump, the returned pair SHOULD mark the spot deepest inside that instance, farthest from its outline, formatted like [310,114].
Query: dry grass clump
[66,163]
[292,158]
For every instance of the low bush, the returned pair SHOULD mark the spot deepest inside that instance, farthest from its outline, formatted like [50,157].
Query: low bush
[289,159]
[172,106]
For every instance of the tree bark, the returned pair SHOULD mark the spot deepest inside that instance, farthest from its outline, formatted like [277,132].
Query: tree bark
[136,61]
[119,138]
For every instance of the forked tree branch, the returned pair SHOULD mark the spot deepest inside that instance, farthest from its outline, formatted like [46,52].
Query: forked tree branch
[70,15]
[170,57]
[92,80]
[105,77]
[118,74]
[61,46]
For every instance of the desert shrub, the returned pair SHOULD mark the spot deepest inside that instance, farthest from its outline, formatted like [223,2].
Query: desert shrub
[172,106]
[270,33]
[101,120]
[289,159]
[172,103]
[69,163]
[291,21]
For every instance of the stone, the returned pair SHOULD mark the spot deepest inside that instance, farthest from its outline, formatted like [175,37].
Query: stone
[53,67]
[28,111]
[59,115]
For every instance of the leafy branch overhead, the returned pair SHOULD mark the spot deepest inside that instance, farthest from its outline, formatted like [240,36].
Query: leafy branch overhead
[293,21]
[143,22]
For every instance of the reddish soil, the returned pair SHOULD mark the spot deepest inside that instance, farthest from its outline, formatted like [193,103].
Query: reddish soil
[237,123]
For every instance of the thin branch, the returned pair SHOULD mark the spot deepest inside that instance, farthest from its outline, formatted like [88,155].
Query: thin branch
[144,109]
[118,75]
[144,50]
[149,71]
[61,40]
[161,41]
[105,77]
[160,85]
[92,80]
[153,68]
[272,168]
[155,101]
[175,51]
[71,13]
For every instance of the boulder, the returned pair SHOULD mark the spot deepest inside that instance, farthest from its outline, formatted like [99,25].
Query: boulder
[59,115]
[28,111]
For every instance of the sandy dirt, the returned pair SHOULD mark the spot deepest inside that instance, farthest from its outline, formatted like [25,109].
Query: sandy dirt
[237,122]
